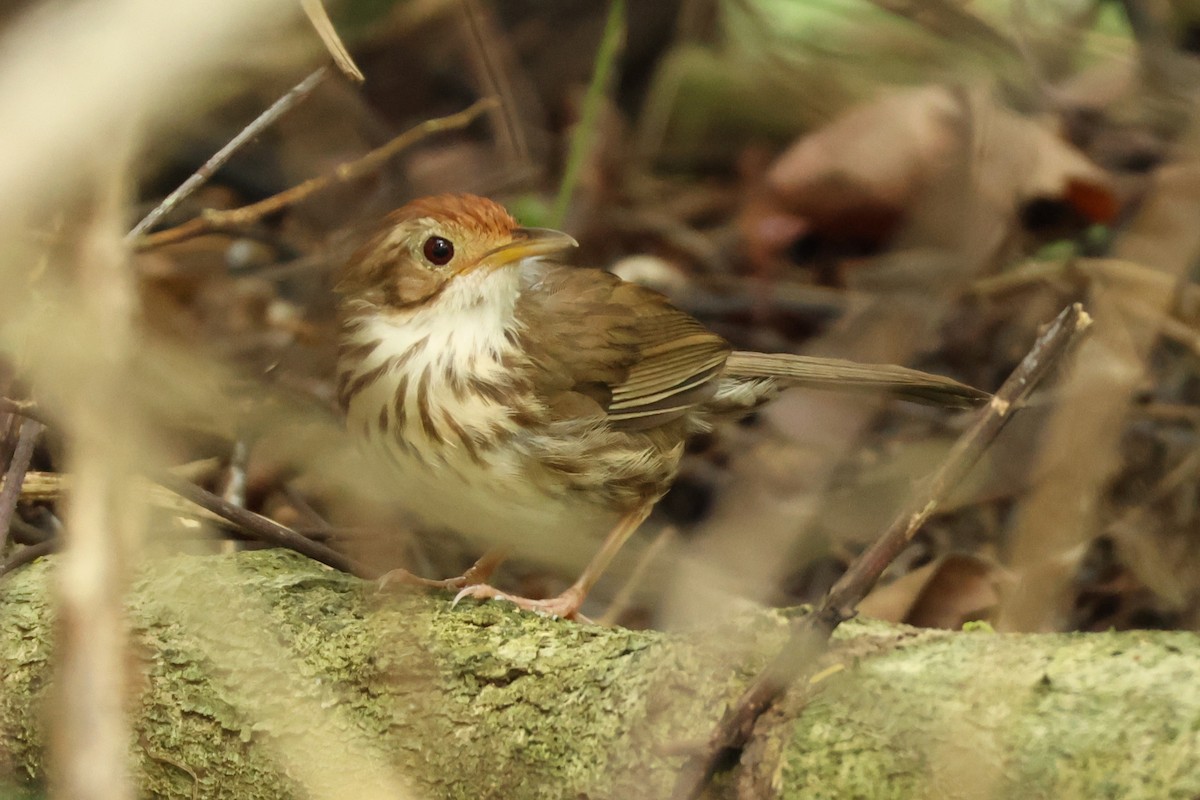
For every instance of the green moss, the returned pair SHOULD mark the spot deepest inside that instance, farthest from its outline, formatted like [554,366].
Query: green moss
[1007,717]
[978,626]
[25,644]
[11,792]
[263,675]
[254,667]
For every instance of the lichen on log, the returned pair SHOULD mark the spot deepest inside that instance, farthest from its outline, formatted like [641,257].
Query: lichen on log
[264,675]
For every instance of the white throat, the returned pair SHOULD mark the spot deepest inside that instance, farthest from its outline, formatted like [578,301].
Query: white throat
[426,355]
[473,314]
[439,434]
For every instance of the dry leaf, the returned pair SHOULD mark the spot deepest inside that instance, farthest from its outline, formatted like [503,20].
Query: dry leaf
[856,179]
[942,594]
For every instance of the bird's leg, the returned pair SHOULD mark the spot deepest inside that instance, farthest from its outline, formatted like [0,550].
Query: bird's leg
[567,604]
[477,573]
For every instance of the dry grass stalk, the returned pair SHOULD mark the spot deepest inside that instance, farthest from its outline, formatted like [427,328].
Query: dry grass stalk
[319,18]
[495,67]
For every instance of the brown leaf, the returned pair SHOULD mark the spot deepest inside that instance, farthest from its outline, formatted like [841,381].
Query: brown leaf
[856,179]
[944,593]
[855,176]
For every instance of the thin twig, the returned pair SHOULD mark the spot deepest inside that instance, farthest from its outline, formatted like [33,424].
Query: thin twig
[201,176]
[319,18]
[21,532]
[810,634]
[263,529]
[10,493]
[581,141]
[154,755]
[624,596]
[316,526]
[46,487]
[26,409]
[234,492]
[28,554]
[211,220]
[494,78]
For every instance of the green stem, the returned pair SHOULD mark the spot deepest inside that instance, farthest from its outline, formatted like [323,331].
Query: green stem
[581,140]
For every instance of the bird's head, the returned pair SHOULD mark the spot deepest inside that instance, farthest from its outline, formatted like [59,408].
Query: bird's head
[425,246]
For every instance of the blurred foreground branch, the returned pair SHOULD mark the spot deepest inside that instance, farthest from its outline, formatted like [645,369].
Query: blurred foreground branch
[486,702]
[104,523]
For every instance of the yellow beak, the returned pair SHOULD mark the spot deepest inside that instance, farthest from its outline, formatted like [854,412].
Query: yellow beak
[528,243]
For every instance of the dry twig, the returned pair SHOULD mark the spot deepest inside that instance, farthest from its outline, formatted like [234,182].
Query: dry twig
[201,176]
[29,554]
[25,409]
[13,479]
[811,633]
[493,67]
[263,529]
[214,221]
[51,487]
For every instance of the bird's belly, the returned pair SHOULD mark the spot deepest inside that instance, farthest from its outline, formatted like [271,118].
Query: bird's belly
[459,456]
[496,503]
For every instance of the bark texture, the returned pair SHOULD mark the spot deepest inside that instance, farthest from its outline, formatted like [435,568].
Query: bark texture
[264,675]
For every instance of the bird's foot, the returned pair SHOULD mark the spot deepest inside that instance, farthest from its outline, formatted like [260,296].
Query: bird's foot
[565,605]
[479,572]
[402,577]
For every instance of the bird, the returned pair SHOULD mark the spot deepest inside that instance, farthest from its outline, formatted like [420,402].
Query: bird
[517,397]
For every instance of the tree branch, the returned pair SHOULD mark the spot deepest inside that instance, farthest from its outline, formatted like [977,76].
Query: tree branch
[810,634]
[10,493]
[264,529]
[269,676]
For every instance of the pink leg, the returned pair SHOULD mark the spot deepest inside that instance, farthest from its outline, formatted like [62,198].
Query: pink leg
[567,604]
[478,573]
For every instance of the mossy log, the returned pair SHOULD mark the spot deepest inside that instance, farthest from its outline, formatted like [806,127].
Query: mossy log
[263,675]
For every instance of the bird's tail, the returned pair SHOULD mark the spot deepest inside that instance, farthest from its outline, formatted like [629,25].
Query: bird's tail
[833,373]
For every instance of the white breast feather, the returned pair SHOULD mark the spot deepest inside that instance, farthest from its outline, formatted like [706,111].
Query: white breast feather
[466,323]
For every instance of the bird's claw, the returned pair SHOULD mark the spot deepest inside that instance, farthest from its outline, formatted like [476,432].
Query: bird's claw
[565,605]
[402,577]
[478,573]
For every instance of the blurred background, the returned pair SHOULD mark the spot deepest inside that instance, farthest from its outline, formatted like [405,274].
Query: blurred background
[915,183]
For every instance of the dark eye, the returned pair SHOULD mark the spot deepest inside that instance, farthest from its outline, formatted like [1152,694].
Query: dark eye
[438,251]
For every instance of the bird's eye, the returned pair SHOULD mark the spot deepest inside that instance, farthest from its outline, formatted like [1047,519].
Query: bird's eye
[438,251]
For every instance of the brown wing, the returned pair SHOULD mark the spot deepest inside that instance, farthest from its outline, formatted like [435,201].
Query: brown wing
[597,340]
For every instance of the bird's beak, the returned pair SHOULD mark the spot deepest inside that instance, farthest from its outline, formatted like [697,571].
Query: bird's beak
[528,243]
